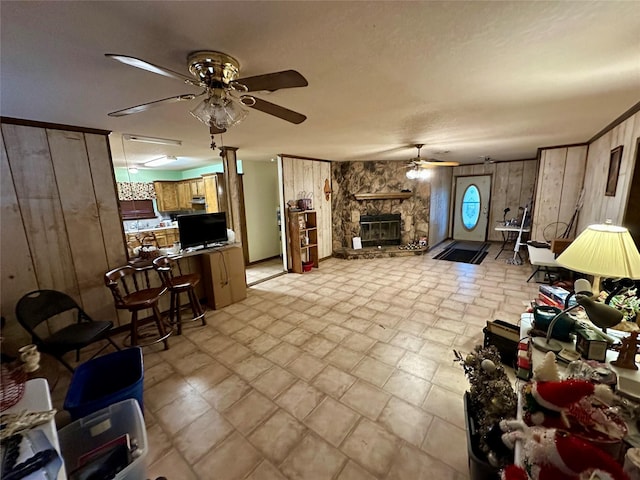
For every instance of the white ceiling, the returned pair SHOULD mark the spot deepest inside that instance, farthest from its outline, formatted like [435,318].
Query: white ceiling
[474,79]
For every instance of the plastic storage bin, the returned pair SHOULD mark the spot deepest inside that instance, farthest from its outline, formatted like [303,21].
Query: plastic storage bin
[479,467]
[105,380]
[104,426]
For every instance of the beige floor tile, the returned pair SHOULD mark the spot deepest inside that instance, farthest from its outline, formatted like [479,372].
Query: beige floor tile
[333,381]
[413,464]
[246,334]
[451,378]
[172,465]
[157,373]
[434,446]
[300,399]
[445,404]
[251,367]
[166,391]
[306,366]
[207,376]
[335,333]
[279,328]
[407,387]
[273,381]
[266,471]
[297,337]
[372,447]
[358,342]
[412,327]
[201,435]
[230,326]
[381,333]
[313,459]
[353,471]
[366,399]
[319,346]
[182,411]
[248,412]
[262,321]
[386,353]
[419,366]
[278,436]
[373,371]
[233,354]
[407,341]
[331,420]
[227,392]
[357,324]
[263,343]
[406,421]
[233,459]
[436,351]
[283,354]
[343,358]
[217,344]
[159,443]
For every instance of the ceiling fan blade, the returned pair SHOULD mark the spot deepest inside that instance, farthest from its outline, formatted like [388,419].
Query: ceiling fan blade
[146,106]
[213,130]
[439,163]
[278,111]
[274,81]
[149,67]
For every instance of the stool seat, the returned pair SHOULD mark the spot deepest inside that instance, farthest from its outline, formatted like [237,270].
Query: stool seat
[132,290]
[177,282]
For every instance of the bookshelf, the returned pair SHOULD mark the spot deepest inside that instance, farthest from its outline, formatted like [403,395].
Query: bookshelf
[303,239]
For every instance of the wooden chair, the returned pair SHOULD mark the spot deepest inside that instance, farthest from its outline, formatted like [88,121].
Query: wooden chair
[132,290]
[177,282]
[41,306]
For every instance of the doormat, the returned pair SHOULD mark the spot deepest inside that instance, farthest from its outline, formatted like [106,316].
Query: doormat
[464,252]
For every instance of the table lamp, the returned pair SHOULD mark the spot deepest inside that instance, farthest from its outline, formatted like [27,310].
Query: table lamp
[604,250]
[601,315]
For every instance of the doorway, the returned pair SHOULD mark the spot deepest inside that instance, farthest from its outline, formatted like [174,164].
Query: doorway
[471,208]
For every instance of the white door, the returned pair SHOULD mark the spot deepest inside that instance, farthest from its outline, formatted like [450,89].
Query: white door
[471,210]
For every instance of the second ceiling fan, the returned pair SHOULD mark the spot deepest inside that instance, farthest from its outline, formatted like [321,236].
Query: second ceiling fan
[419,162]
[226,95]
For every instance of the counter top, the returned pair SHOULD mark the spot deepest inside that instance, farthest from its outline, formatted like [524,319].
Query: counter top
[143,230]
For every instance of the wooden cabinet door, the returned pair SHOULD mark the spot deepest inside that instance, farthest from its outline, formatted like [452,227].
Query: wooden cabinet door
[210,186]
[199,187]
[184,195]
[167,196]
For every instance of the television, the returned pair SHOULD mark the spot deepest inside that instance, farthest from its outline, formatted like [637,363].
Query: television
[202,229]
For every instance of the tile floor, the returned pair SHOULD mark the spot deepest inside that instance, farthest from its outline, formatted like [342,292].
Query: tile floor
[343,373]
[263,270]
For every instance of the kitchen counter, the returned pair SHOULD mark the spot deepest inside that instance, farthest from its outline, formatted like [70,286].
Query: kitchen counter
[149,229]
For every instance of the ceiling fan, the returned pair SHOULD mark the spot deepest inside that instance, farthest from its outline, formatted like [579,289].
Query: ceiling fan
[225,94]
[419,162]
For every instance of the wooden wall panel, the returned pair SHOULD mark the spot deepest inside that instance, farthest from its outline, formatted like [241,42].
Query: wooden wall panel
[511,186]
[18,272]
[440,206]
[301,175]
[37,193]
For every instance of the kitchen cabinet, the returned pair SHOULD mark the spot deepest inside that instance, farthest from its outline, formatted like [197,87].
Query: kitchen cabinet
[184,194]
[197,187]
[167,196]
[303,239]
[210,190]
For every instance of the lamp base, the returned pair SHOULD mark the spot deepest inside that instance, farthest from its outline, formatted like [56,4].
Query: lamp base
[551,346]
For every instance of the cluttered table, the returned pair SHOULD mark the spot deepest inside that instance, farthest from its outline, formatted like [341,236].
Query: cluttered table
[510,235]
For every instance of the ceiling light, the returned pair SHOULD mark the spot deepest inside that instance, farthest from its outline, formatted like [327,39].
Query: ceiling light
[160,161]
[418,174]
[222,109]
[159,141]
[133,170]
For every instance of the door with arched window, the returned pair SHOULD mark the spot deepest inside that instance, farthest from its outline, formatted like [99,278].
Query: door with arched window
[471,211]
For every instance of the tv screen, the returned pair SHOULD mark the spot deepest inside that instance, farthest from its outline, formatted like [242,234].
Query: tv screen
[202,229]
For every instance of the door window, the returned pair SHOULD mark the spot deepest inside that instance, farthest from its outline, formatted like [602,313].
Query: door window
[470,207]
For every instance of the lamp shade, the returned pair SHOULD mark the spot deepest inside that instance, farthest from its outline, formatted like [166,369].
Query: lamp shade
[603,250]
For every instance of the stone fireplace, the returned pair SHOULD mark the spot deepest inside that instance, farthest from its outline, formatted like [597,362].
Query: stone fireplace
[380,229]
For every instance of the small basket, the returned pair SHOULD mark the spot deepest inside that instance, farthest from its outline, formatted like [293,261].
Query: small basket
[307,266]
[12,385]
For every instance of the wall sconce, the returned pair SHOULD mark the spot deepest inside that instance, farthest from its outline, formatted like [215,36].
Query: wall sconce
[327,189]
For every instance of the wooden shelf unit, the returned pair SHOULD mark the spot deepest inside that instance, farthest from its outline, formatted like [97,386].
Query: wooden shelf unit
[303,225]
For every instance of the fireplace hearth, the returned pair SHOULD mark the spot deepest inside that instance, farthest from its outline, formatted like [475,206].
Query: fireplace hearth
[380,229]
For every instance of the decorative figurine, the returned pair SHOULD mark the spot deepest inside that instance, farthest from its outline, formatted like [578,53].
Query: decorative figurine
[627,356]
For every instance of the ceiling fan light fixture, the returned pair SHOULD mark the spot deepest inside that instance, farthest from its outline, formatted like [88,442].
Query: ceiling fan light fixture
[220,110]
[158,141]
[158,162]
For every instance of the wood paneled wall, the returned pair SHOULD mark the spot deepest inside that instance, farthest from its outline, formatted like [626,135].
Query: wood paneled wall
[302,175]
[440,205]
[61,228]
[560,179]
[597,207]
[512,186]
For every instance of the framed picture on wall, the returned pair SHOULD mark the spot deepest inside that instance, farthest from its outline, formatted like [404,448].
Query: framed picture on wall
[614,171]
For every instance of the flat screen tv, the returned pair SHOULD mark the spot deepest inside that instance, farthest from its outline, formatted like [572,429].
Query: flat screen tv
[203,229]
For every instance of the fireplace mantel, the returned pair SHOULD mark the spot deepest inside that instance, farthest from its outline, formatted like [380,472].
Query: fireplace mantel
[383,196]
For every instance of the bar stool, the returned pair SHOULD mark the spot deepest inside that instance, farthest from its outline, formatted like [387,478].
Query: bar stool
[177,282]
[132,290]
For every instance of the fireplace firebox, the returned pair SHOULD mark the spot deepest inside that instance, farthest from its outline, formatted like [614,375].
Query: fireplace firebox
[380,229]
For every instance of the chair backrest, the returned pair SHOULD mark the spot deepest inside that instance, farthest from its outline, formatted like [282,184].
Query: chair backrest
[40,305]
[123,281]
[168,268]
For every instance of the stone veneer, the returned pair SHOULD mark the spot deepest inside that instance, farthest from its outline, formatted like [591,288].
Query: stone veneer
[349,178]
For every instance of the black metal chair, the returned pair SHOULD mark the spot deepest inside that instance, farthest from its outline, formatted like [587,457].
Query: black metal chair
[40,306]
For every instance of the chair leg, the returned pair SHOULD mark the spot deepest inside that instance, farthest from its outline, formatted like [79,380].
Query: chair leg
[158,318]
[134,328]
[176,297]
[196,307]
[172,309]
[63,361]
[113,343]
[533,274]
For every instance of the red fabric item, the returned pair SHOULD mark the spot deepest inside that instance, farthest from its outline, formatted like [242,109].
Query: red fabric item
[559,395]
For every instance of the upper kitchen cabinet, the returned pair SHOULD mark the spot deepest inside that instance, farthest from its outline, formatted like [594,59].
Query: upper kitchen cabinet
[184,195]
[197,187]
[167,196]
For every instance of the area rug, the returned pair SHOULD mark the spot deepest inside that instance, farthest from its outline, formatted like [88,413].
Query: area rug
[464,252]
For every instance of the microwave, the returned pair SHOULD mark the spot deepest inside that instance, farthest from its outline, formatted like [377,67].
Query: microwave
[198,201]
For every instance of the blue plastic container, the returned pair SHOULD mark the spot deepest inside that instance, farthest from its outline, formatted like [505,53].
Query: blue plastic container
[105,380]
